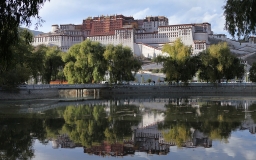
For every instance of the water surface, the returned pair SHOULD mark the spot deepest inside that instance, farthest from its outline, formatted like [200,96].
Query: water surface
[129,128]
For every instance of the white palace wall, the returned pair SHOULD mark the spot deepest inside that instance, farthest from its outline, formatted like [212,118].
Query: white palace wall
[147,51]
[124,37]
[236,46]
[148,40]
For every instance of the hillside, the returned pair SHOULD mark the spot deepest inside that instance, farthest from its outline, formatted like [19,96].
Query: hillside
[34,32]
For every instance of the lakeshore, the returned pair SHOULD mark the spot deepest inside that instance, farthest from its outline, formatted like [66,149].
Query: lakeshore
[196,89]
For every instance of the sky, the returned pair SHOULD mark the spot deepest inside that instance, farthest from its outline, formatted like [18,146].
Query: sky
[177,11]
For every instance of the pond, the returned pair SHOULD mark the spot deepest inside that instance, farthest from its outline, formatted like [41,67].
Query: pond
[130,128]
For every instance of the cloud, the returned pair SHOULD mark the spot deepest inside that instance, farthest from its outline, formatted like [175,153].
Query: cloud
[178,12]
[195,10]
[209,17]
[229,152]
[142,155]
[249,155]
[174,20]
[211,150]
[141,14]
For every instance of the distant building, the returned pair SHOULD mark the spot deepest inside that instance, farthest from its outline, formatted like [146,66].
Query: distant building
[150,139]
[63,36]
[111,149]
[144,36]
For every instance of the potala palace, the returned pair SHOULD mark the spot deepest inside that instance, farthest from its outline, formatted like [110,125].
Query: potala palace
[144,36]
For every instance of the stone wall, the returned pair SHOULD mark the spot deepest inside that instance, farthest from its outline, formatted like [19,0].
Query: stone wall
[29,94]
[136,90]
[181,90]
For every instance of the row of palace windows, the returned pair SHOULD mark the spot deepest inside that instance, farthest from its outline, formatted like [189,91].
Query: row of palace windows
[57,38]
[44,39]
[123,31]
[171,28]
[184,32]
[64,48]
[75,32]
[160,35]
[74,38]
[199,46]
[64,27]
[110,37]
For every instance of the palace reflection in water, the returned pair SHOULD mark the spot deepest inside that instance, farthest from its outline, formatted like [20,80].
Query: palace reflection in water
[123,127]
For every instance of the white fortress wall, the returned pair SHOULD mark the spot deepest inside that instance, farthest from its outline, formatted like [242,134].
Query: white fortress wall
[152,33]
[124,37]
[63,37]
[145,50]
[239,51]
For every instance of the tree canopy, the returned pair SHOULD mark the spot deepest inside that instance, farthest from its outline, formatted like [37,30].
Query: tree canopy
[121,63]
[87,125]
[211,119]
[52,64]
[12,15]
[240,16]
[46,62]
[252,72]
[84,62]
[179,65]
[218,63]
[18,69]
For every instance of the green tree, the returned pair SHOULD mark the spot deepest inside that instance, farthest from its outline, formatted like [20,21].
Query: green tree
[178,134]
[85,124]
[46,62]
[240,17]
[16,139]
[217,63]
[252,72]
[18,70]
[121,63]
[252,108]
[121,119]
[36,61]
[179,64]
[12,15]
[236,70]
[84,63]
[211,118]
[52,64]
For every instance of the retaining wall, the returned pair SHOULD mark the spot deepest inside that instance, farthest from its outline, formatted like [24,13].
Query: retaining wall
[181,90]
[29,94]
[123,90]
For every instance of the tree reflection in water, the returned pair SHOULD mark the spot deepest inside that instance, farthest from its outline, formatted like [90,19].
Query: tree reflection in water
[114,130]
[90,125]
[16,140]
[215,122]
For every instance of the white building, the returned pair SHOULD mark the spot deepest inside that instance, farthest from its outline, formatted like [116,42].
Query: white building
[144,37]
[63,36]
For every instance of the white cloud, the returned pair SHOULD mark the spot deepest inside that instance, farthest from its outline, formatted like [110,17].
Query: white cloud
[249,155]
[141,14]
[209,17]
[142,155]
[211,150]
[178,12]
[174,20]
[195,10]
[229,152]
